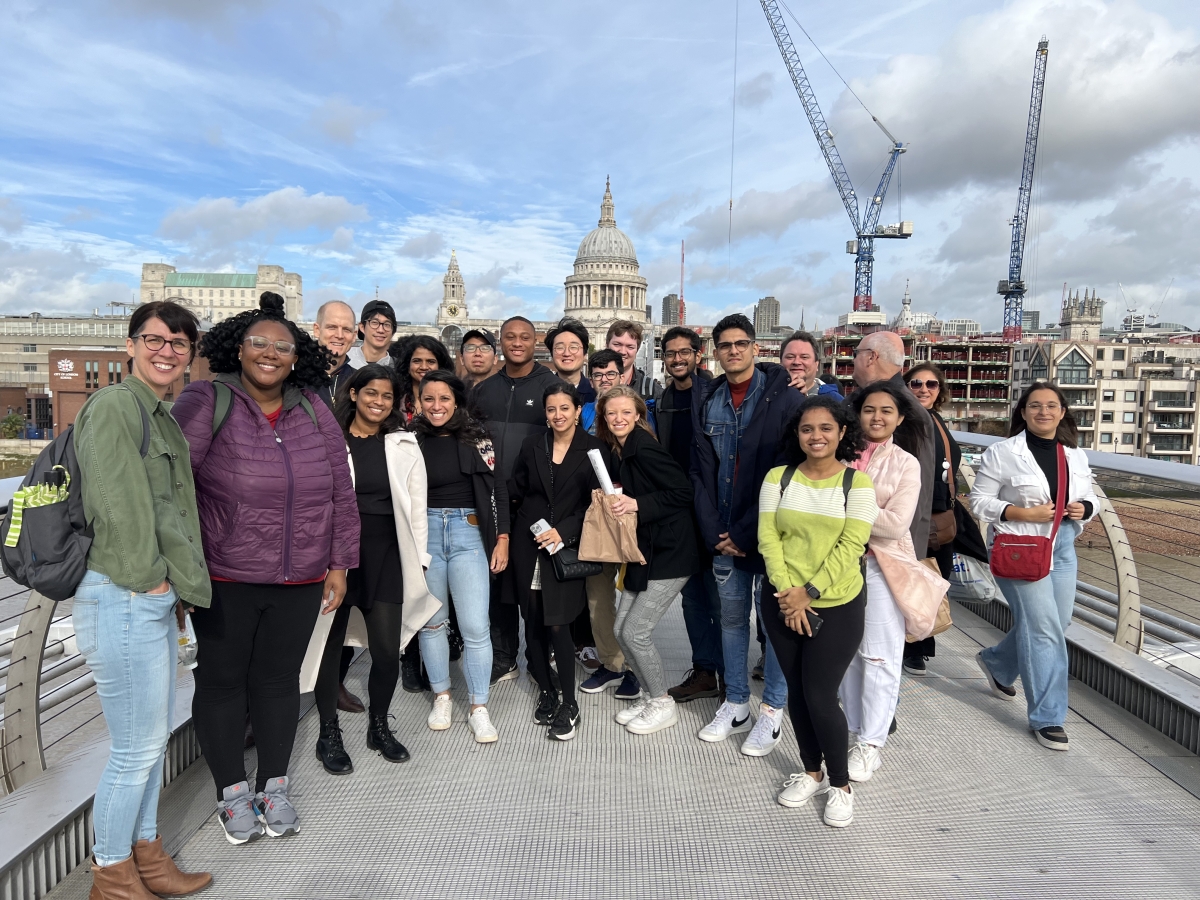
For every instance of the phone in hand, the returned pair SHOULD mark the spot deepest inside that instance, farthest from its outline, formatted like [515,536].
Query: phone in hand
[541,526]
[814,622]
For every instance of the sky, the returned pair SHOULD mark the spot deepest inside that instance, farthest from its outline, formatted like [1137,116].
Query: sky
[357,144]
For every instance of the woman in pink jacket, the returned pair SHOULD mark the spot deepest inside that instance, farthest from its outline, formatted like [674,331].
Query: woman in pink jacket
[871,686]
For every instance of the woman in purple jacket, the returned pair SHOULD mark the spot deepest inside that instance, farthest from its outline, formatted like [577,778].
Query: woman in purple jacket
[280,527]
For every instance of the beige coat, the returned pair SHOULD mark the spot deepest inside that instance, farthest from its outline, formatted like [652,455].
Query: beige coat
[916,588]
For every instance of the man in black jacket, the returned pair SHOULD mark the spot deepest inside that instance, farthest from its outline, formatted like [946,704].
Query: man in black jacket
[510,403]
[701,602]
[335,330]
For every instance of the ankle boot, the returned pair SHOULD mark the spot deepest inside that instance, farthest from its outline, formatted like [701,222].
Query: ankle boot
[381,739]
[331,751]
[118,882]
[159,873]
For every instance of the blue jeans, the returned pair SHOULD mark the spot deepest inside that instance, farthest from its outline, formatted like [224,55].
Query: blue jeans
[739,591]
[459,569]
[702,618]
[129,641]
[1036,646]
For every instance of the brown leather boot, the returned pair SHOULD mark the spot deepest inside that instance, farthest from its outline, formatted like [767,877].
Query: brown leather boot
[161,875]
[119,882]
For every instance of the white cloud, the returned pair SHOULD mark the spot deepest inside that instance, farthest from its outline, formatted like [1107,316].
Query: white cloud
[761,214]
[423,246]
[757,90]
[341,121]
[10,215]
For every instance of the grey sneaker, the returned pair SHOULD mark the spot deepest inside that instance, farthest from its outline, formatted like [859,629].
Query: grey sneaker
[275,810]
[236,812]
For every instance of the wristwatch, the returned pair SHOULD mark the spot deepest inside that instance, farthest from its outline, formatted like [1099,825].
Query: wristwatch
[812,591]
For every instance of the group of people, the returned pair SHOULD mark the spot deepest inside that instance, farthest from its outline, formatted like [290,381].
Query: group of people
[313,476]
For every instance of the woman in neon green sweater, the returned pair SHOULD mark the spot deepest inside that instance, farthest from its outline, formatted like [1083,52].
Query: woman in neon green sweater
[815,517]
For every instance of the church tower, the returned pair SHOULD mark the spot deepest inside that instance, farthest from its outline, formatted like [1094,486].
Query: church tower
[453,308]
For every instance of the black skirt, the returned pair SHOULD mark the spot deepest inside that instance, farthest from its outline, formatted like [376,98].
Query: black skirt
[378,578]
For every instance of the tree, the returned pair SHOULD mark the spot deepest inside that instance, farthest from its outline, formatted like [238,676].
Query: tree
[12,425]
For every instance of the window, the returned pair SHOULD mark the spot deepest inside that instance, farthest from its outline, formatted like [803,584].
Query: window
[115,372]
[29,367]
[1128,418]
[1074,369]
[1106,437]
[1131,397]
[1100,354]
[1169,398]
[1127,438]
[1025,356]
[1109,396]
[1106,416]
[91,373]
[29,348]
[1118,373]
[1118,355]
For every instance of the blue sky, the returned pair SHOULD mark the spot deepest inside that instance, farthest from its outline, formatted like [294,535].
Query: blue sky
[358,143]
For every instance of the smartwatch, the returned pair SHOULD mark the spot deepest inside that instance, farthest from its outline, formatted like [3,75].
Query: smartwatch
[812,591]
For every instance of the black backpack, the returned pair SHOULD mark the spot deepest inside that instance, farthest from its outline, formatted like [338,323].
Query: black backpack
[47,548]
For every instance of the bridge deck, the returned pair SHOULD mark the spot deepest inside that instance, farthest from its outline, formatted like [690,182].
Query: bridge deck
[966,805]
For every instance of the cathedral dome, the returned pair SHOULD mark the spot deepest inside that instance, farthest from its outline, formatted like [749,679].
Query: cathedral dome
[606,243]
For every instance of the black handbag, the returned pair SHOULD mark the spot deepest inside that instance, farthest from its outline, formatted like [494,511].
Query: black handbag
[566,562]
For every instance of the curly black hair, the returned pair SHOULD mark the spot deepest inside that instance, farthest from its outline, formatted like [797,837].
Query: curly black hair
[853,442]
[909,434]
[344,408]
[465,425]
[222,344]
[421,342]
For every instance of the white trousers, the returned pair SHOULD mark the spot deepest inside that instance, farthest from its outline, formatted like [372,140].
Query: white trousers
[871,686]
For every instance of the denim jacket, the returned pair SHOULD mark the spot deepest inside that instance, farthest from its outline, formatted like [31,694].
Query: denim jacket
[726,427]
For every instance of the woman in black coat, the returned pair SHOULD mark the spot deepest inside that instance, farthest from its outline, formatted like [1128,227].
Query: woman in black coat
[552,481]
[660,492]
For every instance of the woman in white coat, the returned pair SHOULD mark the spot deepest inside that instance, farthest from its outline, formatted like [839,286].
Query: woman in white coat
[388,586]
[1016,487]
[870,688]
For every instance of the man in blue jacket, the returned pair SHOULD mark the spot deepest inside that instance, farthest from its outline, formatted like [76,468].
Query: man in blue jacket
[739,418]
[802,359]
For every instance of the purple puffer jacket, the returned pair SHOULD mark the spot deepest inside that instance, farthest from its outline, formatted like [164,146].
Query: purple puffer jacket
[272,509]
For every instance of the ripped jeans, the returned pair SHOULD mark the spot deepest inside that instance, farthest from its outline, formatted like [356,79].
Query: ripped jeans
[871,686]
[739,592]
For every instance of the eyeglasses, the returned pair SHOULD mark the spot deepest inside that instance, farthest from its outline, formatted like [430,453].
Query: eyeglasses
[478,348]
[931,385]
[155,342]
[679,354]
[1043,407]
[381,325]
[605,376]
[258,342]
[726,346]
[864,350]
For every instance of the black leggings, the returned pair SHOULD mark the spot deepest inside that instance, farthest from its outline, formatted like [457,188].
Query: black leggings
[383,640]
[813,667]
[252,644]
[538,642]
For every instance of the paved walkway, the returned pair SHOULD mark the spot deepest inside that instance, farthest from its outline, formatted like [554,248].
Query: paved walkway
[967,804]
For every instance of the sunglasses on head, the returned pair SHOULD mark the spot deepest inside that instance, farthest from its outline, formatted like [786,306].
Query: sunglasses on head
[931,385]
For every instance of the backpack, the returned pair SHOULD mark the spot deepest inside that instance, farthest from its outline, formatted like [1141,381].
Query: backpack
[223,407]
[45,535]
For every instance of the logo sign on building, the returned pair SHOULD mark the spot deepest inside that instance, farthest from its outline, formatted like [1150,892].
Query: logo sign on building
[66,365]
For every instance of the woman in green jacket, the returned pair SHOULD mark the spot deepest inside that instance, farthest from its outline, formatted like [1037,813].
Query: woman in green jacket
[145,563]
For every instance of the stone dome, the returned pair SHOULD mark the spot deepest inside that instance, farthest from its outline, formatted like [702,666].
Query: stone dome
[606,242]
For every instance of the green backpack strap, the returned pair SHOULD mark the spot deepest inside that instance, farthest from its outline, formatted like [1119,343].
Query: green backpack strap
[223,407]
[308,408]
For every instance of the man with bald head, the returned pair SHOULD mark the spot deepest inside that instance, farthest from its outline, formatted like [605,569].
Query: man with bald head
[880,357]
[336,331]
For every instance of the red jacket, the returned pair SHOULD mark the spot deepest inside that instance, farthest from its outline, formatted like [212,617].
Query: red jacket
[275,505]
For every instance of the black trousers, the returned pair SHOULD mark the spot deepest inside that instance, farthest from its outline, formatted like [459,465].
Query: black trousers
[251,646]
[384,622]
[506,628]
[539,641]
[814,667]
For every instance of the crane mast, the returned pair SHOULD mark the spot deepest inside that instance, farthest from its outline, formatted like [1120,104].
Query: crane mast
[1013,289]
[866,229]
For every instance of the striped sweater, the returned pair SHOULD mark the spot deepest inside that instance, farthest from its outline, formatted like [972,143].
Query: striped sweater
[814,534]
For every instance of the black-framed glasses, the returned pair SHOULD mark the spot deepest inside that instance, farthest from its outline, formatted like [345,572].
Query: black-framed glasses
[155,342]
[726,346]
[605,376]
[258,342]
[930,385]
[679,354]
[381,325]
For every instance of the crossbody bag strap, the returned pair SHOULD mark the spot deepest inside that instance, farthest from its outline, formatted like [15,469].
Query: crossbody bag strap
[1060,502]
[550,466]
[951,480]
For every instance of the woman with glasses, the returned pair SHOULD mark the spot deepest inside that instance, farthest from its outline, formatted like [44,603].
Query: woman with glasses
[281,527]
[1017,486]
[419,356]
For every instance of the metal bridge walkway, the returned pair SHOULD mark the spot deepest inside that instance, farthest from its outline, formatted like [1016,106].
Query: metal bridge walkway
[967,804]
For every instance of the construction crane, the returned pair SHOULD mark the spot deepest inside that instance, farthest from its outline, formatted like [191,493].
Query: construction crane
[867,228]
[1013,289]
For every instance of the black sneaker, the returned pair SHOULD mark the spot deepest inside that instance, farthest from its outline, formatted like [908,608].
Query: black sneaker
[503,672]
[547,706]
[696,684]
[757,672]
[412,675]
[1003,691]
[331,751]
[565,720]
[381,740]
[455,641]
[915,666]
[629,689]
[892,728]
[1054,737]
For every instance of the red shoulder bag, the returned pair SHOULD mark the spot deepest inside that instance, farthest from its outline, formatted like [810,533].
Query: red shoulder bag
[1024,557]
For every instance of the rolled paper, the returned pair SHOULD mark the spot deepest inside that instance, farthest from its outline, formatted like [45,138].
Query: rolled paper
[601,471]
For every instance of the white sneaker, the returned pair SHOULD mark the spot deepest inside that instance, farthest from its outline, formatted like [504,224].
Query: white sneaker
[440,716]
[864,760]
[658,714]
[839,808]
[799,787]
[481,726]
[765,736]
[632,711]
[731,718]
